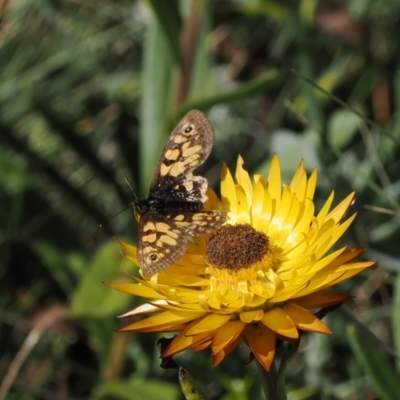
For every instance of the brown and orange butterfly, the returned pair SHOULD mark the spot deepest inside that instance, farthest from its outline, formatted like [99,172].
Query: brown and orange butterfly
[174,208]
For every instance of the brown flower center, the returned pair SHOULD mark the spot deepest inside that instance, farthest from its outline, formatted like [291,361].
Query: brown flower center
[236,247]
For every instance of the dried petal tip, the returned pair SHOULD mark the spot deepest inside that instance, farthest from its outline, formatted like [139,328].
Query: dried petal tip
[236,247]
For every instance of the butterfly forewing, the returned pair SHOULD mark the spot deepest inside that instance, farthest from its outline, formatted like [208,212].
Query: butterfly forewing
[188,147]
[174,208]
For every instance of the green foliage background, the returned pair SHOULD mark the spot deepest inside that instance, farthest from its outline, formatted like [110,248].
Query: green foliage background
[89,91]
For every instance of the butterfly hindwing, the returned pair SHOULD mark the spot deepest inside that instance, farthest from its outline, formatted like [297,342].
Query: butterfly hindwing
[160,243]
[163,238]
[199,223]
[193,189]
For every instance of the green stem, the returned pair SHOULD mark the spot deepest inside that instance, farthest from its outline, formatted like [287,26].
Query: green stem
[269,379]
[290,351]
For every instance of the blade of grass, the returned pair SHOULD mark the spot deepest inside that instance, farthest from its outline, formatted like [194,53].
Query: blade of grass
[371,360]
[169,19]
[156,85]
[202,84]
[396,317]
[265,81]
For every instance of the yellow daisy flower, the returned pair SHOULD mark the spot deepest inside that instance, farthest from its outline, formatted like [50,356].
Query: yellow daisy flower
[256,278]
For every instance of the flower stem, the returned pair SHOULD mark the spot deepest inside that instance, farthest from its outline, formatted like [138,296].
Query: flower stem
[269,379]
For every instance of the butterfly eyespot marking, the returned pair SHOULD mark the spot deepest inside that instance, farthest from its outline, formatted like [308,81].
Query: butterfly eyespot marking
[153,257]
[188,129]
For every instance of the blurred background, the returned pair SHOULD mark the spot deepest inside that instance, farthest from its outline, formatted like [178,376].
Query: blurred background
[90,91]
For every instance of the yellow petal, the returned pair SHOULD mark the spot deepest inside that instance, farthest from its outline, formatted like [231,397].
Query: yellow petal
[323,262]
[274,180]
[145,308]
[177,306]
[257,203]
[278,220]
[202,346]
[353,270]
[267,213]
[228,192]
[243,179]
[183,342]
[320,282]
[289,220]
[304,320]
[165,318]
[311,184]
[226,334]
[212,202]
[135,289]
[225,351]
[251,316]
[208,323]
[298,185]
[340,230]
[278,321]
[325,209]
[346,257]
[127,247]
[243,216]
[305,217]
[340,210]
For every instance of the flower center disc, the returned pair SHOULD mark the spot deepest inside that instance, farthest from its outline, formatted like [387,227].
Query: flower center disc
[236,247]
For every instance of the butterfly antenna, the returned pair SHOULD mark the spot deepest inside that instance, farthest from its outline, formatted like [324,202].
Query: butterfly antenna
[135,199]
[119,212]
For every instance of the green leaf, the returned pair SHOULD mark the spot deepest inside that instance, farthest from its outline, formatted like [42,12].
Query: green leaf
[156,85]
[58,263]
[101,332]
[292,148]
[310,100]
[272,9]
[202,83]
[168,17]
[139,390]
[374,364]
[94,299]
[268,80]
[307,10]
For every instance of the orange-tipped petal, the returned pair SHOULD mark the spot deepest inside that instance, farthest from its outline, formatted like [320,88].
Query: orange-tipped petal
[304,320]
[261,341]
[226,334]
[278,321]
[322,298]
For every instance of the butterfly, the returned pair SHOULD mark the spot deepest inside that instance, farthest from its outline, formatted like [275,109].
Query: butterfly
[174,208]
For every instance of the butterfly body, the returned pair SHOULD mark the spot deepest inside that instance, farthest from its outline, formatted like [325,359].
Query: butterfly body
[174,208]
[163,206]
